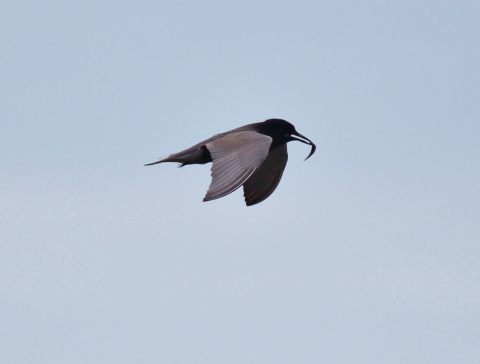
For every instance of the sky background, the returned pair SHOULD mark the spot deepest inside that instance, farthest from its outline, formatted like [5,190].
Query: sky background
[369,252]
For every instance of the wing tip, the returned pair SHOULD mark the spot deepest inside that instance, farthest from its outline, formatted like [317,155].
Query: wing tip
[249,201]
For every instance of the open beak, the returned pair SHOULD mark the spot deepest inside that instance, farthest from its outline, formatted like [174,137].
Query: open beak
[304,140]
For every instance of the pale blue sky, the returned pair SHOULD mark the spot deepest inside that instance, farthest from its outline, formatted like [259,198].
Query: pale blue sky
[369,252]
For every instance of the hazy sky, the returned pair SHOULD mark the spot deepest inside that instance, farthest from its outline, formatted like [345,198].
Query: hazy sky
[369,252]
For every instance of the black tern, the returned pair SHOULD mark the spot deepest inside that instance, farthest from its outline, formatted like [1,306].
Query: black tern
[253,156]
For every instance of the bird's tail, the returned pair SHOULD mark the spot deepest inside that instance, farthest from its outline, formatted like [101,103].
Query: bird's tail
[193,155]
[160,160]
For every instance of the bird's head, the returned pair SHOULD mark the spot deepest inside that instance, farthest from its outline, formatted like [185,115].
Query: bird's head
[285,132]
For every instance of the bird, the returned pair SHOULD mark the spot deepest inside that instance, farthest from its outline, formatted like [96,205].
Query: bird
[253,156]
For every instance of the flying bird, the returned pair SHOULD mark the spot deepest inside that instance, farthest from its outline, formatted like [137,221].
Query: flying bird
[253,156]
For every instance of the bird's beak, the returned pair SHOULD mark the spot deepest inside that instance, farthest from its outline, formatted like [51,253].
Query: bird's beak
[304,140]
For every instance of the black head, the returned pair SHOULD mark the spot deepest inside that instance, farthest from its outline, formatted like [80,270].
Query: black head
[283,132]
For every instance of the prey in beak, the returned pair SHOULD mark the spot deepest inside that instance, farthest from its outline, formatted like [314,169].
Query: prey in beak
[297,136]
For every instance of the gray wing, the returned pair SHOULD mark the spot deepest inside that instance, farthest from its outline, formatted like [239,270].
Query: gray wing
[265,179]
[235,157]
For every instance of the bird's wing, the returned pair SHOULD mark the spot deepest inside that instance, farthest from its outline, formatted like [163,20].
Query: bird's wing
[235,157]
[265,179]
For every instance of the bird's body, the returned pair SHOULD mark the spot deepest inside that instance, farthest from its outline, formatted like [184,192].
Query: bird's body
[253,155]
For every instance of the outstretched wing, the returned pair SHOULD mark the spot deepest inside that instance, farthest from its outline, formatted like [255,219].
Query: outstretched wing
[265,179]
[235,157]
